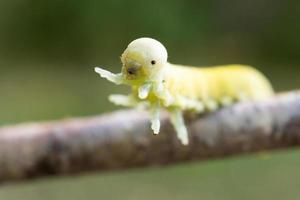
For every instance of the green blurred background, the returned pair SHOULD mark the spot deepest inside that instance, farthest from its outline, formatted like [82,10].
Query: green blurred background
[48,50]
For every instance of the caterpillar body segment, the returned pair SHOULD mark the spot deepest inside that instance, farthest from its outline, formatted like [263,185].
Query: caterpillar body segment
[221,84]
[158,84]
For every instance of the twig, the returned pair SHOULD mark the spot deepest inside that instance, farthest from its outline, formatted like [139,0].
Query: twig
[123,139]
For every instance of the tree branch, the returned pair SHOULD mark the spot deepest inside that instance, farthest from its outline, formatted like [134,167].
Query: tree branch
[123,139]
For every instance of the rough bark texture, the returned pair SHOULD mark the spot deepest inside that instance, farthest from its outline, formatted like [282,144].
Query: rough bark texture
[123,139]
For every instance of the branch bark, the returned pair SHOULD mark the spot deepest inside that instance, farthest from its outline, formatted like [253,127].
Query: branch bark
[123,139]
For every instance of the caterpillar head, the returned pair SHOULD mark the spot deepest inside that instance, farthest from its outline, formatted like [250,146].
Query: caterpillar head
[143,60]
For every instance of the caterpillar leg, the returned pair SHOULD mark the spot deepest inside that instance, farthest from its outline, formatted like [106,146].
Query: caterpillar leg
[167,98]
[211,105]
[123,100]
[155,122]
[144,90]
[226,101]
[162,93]
[191,104]
[115,78]
[178,123]
[242,96]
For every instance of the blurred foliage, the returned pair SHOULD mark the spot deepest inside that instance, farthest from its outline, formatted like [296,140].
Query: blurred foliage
[49,48]
[93,31]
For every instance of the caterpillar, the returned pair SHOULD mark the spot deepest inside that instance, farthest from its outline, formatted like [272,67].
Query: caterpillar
[157,84]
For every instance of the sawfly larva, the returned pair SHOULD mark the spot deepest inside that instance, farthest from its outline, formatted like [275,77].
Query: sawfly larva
[158,84]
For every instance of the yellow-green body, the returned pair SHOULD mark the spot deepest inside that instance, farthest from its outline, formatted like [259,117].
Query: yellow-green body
[207,84]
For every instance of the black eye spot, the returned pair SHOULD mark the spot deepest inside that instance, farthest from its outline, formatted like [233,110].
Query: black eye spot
[153,62]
